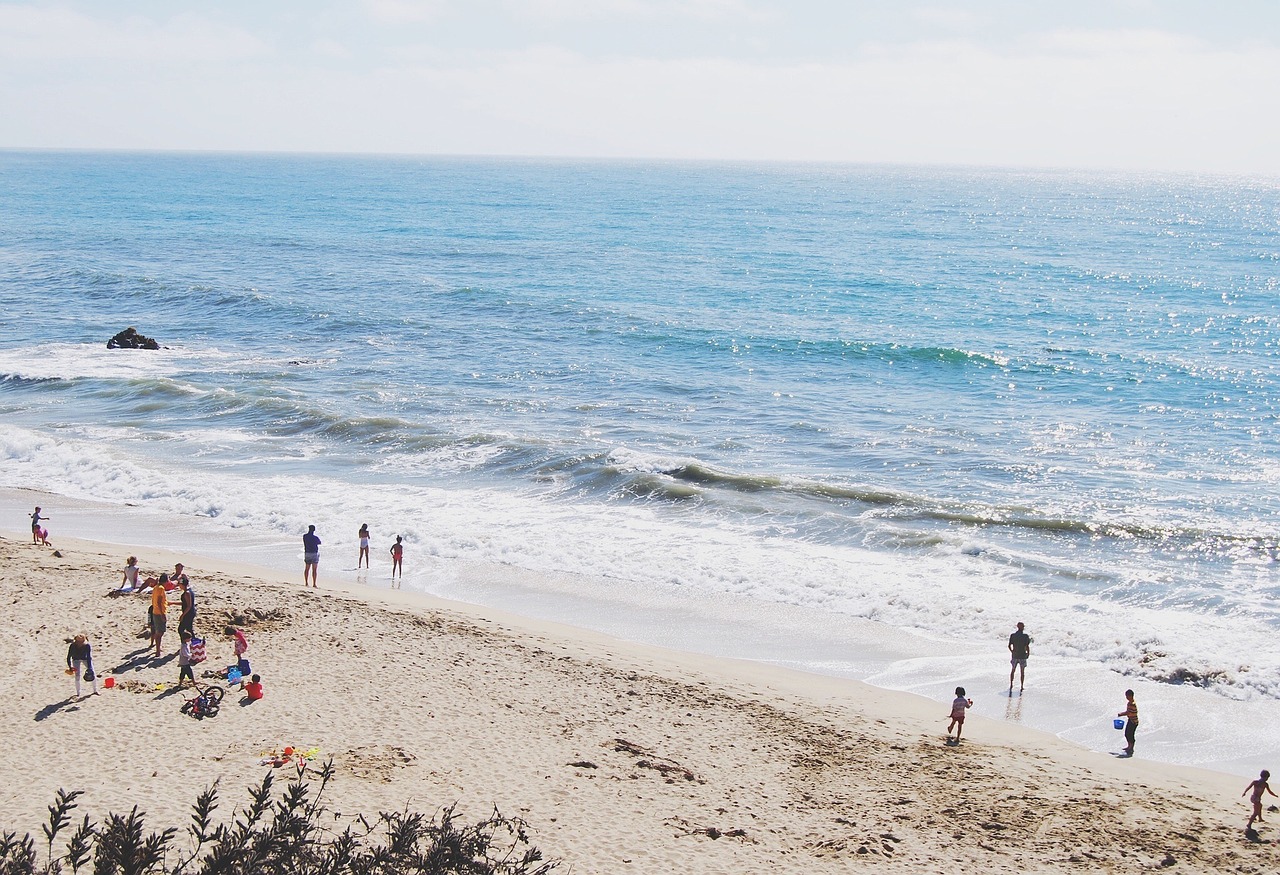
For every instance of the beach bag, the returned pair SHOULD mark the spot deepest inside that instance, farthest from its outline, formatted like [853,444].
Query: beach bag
[197,650]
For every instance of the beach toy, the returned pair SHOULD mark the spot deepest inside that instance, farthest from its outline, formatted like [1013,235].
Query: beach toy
[233,675]
[1118,723]
[288,751]
[109,683]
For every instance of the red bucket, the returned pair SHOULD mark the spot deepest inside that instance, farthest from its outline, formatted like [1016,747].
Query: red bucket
[109,683]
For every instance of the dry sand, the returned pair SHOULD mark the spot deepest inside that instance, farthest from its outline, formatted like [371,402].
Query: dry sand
[622,758]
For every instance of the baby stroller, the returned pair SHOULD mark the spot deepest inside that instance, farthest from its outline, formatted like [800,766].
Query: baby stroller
[206,702]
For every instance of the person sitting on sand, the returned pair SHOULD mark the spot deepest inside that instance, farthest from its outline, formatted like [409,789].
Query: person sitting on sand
[252,688]
[178,576]
[1258,787]
[184,660]
[958,706]
[130,574]
[80,662]
[159,611]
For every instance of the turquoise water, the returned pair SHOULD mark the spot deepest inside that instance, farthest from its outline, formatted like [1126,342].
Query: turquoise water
[941,399]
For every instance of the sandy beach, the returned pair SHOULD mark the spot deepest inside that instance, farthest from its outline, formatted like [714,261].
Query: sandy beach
[621,757]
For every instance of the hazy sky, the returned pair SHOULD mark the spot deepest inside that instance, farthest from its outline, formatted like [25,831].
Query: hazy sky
[1159,84]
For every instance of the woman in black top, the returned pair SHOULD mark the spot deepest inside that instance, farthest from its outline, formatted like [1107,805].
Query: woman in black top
[186,622]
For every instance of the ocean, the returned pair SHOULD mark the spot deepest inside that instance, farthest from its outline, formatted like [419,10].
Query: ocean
[851,419]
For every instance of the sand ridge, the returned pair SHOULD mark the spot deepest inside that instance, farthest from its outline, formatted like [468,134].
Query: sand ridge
[620,760]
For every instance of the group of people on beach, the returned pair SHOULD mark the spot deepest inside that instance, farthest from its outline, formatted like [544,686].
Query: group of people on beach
[80,652]
[311,555]
[168,589]
[1019,653]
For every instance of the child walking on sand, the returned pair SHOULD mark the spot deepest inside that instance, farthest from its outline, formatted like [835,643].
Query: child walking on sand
[958,706]
[184,660]
[1258,787]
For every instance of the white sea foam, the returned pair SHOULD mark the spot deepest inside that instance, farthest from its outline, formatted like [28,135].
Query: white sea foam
[951,595]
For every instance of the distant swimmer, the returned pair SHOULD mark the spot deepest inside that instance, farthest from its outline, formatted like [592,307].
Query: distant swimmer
[1020,648]
[310,556]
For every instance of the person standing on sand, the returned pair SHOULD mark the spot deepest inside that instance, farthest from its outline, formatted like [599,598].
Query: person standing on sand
[184,660]
[1020,648]
[187,619]
[159,612]
[397,558]
[80,662]
[958,706]
[1257,787]
[1130,715]
[36,534]
[310,556]
[363,534]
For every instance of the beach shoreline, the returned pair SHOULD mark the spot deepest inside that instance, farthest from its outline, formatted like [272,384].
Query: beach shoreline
[622,756]
[1071,698]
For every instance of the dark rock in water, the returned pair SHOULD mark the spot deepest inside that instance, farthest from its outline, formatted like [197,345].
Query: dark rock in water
[131,339]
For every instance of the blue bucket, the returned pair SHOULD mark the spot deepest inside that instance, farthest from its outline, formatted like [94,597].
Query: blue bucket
[1118,723]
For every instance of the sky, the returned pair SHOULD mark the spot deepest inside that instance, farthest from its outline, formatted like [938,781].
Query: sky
[1165,85]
